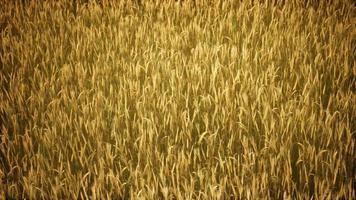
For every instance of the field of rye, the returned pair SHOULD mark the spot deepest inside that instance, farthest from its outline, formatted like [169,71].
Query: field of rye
[177,99]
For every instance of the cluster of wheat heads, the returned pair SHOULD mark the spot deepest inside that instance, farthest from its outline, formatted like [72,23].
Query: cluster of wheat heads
[177,100]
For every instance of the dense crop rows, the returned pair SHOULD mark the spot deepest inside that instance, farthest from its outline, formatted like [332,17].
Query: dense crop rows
[177,100]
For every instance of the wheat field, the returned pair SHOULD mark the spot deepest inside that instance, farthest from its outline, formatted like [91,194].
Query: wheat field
[177,99]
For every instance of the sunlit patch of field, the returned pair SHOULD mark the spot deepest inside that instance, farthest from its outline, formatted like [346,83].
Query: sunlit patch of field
[177,100]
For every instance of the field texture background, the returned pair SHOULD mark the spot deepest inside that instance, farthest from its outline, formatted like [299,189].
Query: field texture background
[177,99]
